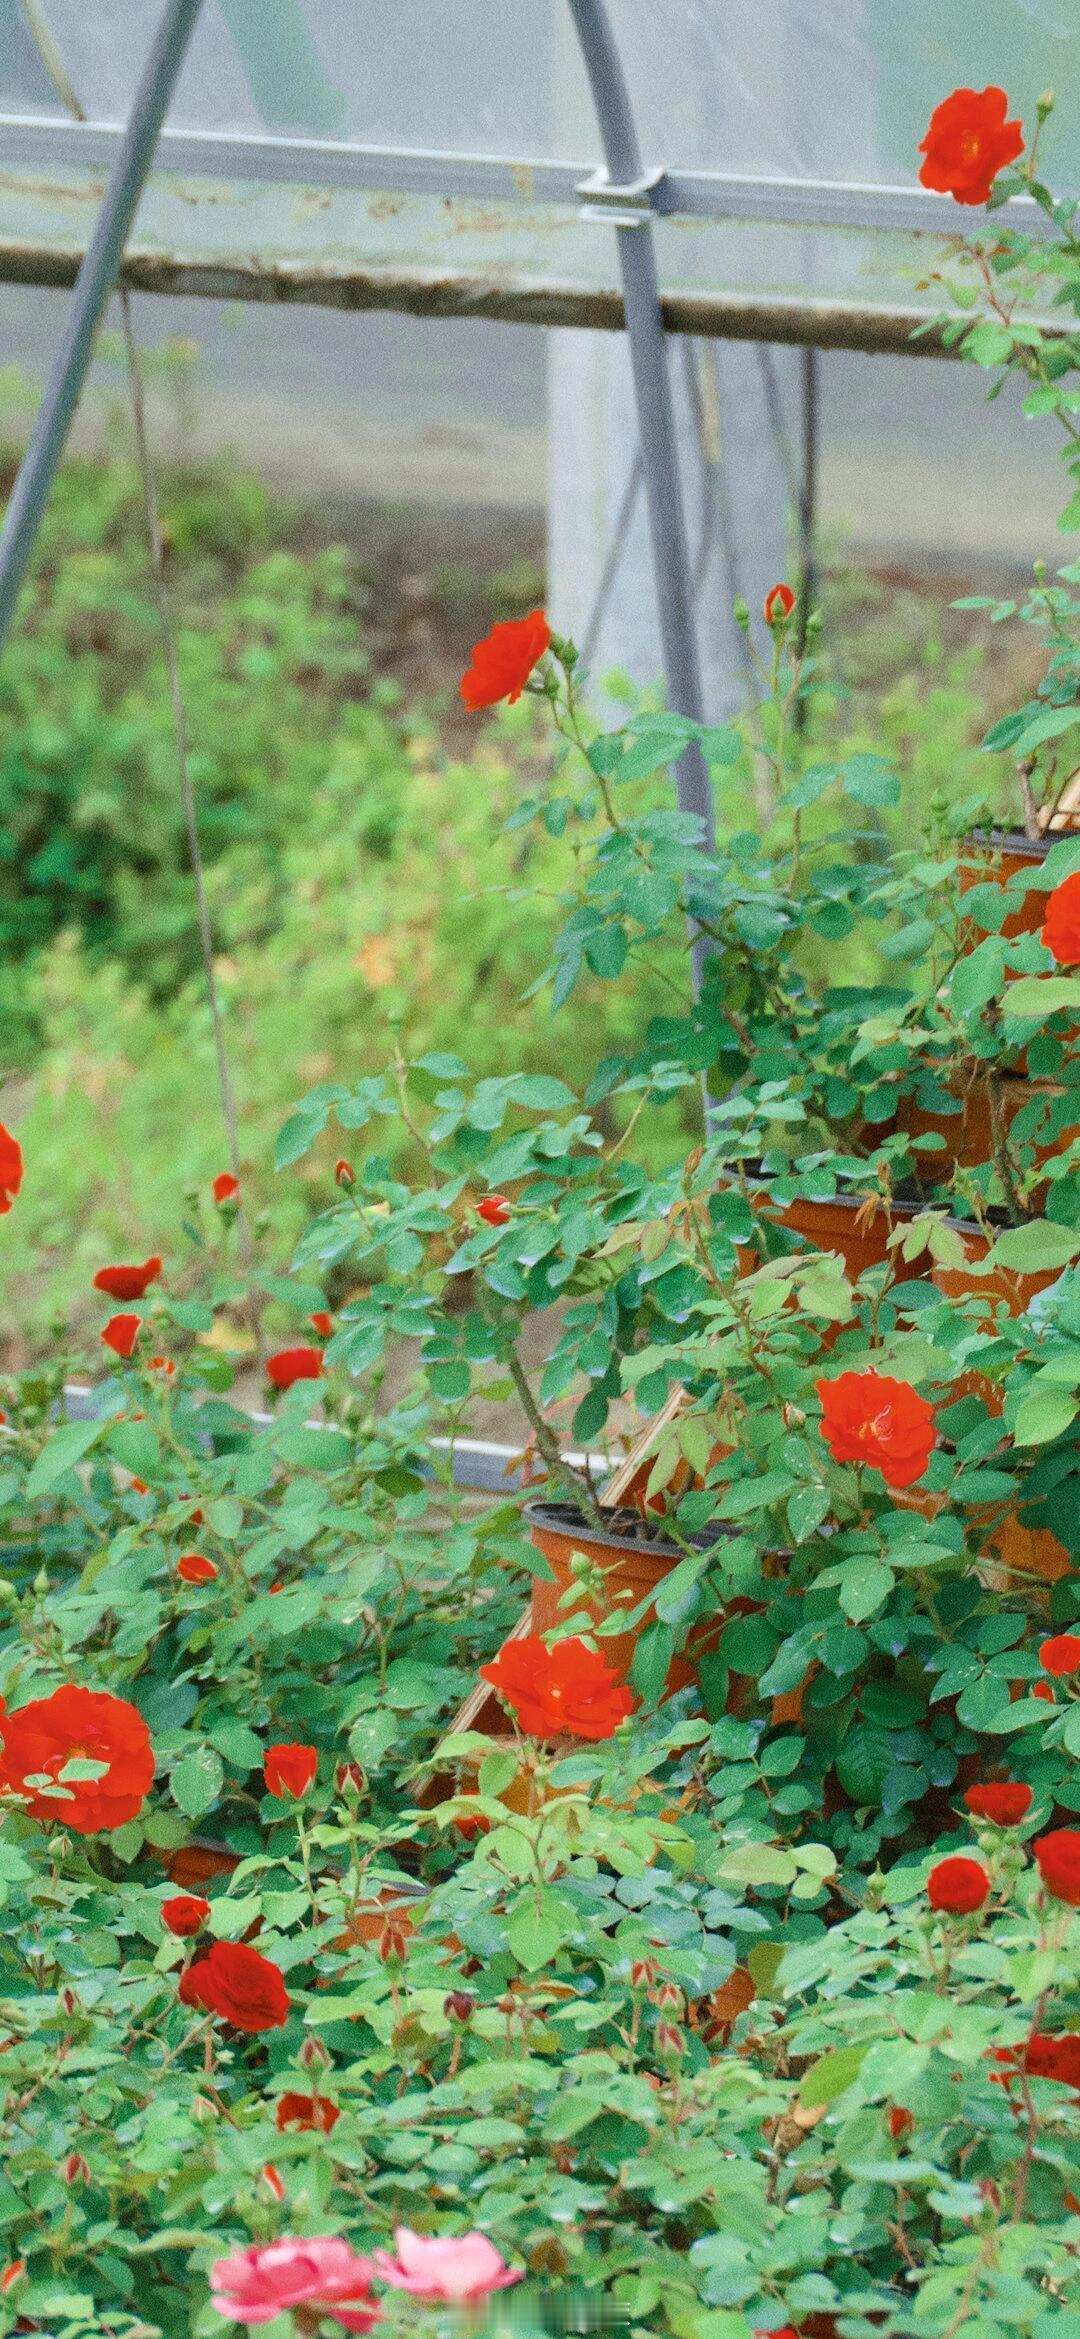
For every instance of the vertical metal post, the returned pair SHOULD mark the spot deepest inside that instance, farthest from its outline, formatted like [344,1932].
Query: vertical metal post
[96,279]
[656,419]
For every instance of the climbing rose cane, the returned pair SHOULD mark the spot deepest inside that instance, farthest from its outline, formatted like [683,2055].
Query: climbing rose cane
[968,142]
[1002,1803]
[78,1725]
[866,1417]
[457,2269]
[128,1282]
[957,1887]
[11,1169]
[503,661]
[567,1690]
[320,2273]
[239,1985]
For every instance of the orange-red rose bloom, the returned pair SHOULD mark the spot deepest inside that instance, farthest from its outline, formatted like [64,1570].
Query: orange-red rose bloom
[306,2111]
[128,1282]
[503,661]
[11,1169]
[1058,1856]
[958,1886]
[1002,1803]
[239,1985]
[1061,930]
[289,1769]
[185,1914]
[564,1691]
[494,1209]
[968,142]
[323,1324]
[779,605]
[79,1725]
[1061,1655]
[294,1364]
[225,1187]
[121,1333]
[866,1417]
[195,1568]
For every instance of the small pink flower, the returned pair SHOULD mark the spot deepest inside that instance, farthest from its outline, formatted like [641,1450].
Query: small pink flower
[252,2286]
[458,2269]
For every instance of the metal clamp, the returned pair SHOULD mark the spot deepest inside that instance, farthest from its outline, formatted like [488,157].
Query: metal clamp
[630,205]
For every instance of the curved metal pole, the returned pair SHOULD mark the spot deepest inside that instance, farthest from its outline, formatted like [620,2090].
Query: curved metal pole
[96,279]
[656,417]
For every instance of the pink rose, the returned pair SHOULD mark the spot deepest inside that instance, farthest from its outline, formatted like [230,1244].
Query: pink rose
[255,2285]
[458,2270]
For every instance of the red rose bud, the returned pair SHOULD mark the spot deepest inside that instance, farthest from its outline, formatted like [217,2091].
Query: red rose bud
[1043,1690]
[289,1770]
[344,1173]
[669,2039]
[968,142]
[272,2181]
[128,1282]
[351,1776]
[184,1915]
[1058,1858]
[12,2274]
[1061,1656]
[322,1323]
[314,2056]
[1002,1803]
[225,1188]
[76,2169]
[669,1995]
[779,605]
[958,1887]
[494,1209]
[503,661]
[643,1973]
[306,2111]
[458,2006]
[195,1568]
[294,1364]
[11,1178]
[392,1943]
[901,2121]
[120,1334]
[162,1364]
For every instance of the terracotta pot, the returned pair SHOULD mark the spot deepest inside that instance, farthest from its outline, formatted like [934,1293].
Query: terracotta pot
[633,1572]
[968,1136]
[849,1224]
[1004,1286]
[995,857]
[197,1862]
[1030,1551]
[367,1922]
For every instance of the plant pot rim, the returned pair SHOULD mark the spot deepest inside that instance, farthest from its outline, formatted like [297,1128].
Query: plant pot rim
[1014,840]
[765,1184]
[564,1518]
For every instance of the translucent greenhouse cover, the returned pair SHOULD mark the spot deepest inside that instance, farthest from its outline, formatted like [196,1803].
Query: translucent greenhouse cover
[789,130]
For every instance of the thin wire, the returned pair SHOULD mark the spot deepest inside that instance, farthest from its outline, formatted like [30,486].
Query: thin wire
[53,62]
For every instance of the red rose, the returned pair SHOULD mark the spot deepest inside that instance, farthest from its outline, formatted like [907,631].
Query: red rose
[11,1169]
[344,1173]
[128,1282]
[294,1364]
[1042,1689]
[185,1914]
[1061,1655]
[239,1985]
[306,2111]
[779,605]
[323,1324]
[1002,1803]
[958,1886]
[494,1209]
[79,1725]
[968,142]
[225,1187]
[1061,930]
[1058,1856]
[121,1333]
[289,1770]
[503,661]
[1054,2056]
[195,1568]
[866,1417]
[901,2121]
[567,1690]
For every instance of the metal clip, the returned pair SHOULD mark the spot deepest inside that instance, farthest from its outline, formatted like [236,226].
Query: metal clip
[631,205]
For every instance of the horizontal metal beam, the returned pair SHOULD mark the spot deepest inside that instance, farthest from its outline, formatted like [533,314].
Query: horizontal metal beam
[28,140]
[787,320]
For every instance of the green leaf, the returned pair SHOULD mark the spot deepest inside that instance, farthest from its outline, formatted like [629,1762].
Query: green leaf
[65,1448]
[830,2076]
[541,1094]
[1044,1414]
[758,1864]
[537,1929]
[652,1658]
[197,1781]
[864,1585]
[1035,1248]
[1036,998]
[299,1134]
[497,1771]
[807,1510]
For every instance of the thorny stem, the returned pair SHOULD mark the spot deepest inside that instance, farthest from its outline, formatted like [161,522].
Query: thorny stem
[576,1485]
